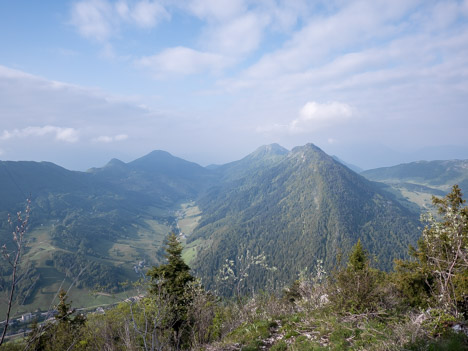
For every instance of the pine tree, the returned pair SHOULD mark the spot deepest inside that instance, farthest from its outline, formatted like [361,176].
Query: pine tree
[174,276]
[355,288]
[358,259]
[171,281]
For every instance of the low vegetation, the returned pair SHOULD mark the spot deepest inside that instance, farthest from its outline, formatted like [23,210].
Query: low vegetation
[421,305]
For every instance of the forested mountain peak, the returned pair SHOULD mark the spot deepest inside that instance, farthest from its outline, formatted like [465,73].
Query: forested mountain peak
[309,154]
[309,147]
[260,159]
[115,162]
[114,166]
[297,209]
[162,161]
[270,150]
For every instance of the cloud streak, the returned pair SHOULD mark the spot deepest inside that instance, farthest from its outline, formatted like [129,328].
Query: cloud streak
[69,135]
[102,19]
[183,61]
[110,139]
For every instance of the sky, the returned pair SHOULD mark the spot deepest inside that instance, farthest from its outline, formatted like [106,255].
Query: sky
[374,82]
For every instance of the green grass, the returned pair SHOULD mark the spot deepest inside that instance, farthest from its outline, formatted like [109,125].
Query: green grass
[250,335]
[190,252]
[124,253]
[189,216]
[423,200]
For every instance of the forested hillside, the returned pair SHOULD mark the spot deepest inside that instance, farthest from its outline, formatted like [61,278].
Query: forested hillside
[296,209]
[90,229]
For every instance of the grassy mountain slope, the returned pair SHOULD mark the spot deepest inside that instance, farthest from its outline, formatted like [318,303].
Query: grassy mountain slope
[301,207]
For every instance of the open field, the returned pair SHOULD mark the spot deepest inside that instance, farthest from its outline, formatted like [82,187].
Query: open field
[188,217]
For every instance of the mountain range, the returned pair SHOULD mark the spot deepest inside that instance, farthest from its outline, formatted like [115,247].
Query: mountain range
[291,208]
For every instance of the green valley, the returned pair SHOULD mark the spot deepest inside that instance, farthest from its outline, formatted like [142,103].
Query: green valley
[93,231]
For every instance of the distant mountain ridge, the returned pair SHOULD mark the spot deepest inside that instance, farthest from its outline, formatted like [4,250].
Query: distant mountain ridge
[419,181]
[166,178]
[433,173]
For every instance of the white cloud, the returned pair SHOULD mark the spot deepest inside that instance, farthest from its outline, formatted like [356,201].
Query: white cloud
[101,19]
[238,36]
[69,135]
[313,116]
[182,60]
[93,19]
[10,73]
[285,13]
[110,139]
[48,106]
[147,14]
[350,26]
[121,137]
[216,10]
[103,139]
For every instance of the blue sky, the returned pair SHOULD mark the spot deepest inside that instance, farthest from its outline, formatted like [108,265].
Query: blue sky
[374,82]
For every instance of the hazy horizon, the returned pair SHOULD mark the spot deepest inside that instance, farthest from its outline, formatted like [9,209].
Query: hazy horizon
[375,83]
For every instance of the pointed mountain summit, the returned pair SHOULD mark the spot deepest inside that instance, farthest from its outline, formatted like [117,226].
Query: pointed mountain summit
[163,163]
[115,162]
[264,156]
[268,151]
[303,207]
[164,177]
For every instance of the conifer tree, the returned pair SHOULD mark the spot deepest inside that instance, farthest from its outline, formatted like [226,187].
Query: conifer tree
[355,287]
[64,334]
[174,276]
[358,259]
[171,282]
